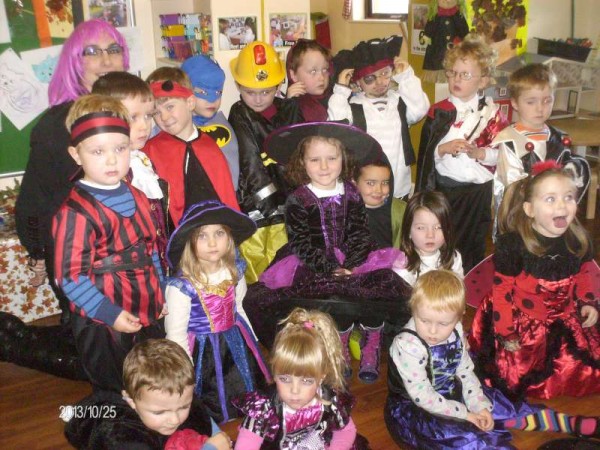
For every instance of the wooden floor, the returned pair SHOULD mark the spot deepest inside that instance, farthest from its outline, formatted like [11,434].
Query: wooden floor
[30,402]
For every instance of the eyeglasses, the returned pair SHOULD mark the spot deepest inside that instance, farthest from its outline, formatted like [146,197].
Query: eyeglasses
[465,76]
[94,51]
[265,93]
[384,75]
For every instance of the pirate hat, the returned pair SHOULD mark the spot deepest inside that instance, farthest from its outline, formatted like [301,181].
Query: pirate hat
[370,56]
[210,212]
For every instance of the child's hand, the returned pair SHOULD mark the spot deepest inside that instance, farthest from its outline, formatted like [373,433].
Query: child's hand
[345,76]
[476,153]
[486,421]
[455,147]
[127,323]
[482,420]
[163,312]
[591,315]
[400,65]
[221,441]
[295,90]
[341,272]
[512,346]
[38,267]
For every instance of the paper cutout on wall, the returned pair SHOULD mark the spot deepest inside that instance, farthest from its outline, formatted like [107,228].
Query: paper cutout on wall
[42,61]
[4,31]
[503,23]
[22,96]
[133,37]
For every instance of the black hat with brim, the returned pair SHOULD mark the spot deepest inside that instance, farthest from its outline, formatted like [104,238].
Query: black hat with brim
[361,146]
[211,212]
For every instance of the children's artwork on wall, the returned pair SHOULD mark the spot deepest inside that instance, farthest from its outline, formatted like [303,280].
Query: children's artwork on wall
[236,32]
[22,96]
[133,37]
[503,23]
[117,12]
[4,33]
[286,29]
[419,19]
[42,61]
[59,14]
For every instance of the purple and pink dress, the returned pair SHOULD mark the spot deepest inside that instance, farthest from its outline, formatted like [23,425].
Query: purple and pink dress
[327,230]
[321,425]
[227,359]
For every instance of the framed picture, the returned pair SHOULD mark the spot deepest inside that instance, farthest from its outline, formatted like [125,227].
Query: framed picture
[116,12]
[572,102]
[286,29]
[236,32]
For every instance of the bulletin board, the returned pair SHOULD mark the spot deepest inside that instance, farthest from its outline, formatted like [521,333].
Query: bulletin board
[32,24]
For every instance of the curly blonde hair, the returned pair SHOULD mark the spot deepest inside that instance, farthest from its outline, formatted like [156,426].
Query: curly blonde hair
[473,46]
[309,345]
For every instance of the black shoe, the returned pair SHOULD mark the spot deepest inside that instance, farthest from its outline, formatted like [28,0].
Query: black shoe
[571,444]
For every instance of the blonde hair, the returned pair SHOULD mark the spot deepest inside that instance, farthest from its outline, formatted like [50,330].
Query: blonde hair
[441,290]
[93,103]
[530,76]
[309,345]
[473,46]
[157,365]
[512,217]
[190,264]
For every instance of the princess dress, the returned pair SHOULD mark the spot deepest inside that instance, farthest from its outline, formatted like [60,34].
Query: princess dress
[220,341]
[309,428]
[537,300]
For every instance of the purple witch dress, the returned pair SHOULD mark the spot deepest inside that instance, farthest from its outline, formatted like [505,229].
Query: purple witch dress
[325,233]
[227,357]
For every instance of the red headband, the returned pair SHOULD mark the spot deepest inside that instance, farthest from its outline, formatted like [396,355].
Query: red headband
[368,70]
[170,89]
[97,123]
[543,166]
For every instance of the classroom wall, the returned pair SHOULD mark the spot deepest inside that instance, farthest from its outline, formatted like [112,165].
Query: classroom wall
[547,19]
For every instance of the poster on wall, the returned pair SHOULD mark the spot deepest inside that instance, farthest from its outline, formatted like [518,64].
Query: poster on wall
[286,29]
[236,32]
[417,35]
[503,23]
[119,13]
[60,18]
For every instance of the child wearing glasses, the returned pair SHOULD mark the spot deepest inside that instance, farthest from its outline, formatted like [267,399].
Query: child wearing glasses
[258,72]
[455,156]
[382,111]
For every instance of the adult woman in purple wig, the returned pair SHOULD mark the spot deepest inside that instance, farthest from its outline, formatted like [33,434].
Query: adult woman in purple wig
[93,49]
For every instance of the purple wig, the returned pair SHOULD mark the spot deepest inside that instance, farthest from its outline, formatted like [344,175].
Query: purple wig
[65,84]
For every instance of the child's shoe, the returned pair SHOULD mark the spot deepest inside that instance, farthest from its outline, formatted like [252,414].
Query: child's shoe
[370,354]
[345,337]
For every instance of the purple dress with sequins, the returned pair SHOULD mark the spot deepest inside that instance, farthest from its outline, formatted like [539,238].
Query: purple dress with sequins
[228,361]
[324,234]
[309,428]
